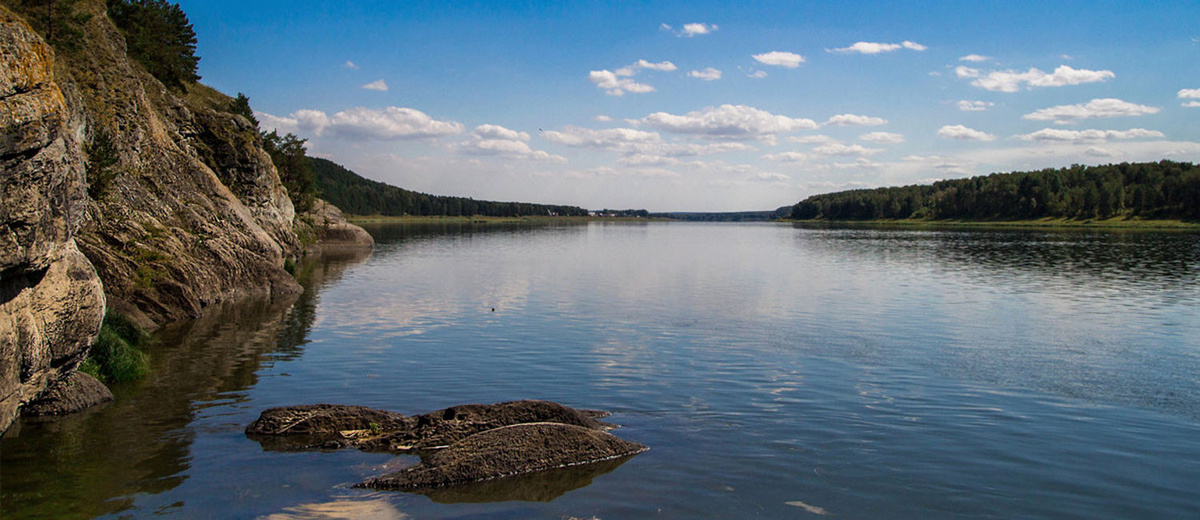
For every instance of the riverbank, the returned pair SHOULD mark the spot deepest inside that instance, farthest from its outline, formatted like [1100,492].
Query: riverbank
[1043,223]
[478,219]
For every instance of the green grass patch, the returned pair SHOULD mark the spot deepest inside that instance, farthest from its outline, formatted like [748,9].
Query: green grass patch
[117,354]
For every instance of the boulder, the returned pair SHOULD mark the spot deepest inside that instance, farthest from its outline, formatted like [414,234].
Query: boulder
[326,426]
[77,392]
[508,451]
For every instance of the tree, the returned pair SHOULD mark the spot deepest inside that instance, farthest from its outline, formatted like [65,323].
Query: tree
[159,36]
[241,106]
[56,20]
[291,160]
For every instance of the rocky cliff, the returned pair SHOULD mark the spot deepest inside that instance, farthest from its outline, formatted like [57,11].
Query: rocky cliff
[51,301]
[180,207]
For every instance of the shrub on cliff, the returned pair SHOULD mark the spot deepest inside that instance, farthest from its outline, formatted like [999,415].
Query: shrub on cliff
[159,36]
[102,160]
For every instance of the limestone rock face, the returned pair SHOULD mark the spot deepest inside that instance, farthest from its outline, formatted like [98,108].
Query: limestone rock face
[51,299]
[332,230]
[195,213]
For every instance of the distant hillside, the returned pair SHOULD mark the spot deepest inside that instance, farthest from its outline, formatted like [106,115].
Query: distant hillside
[359,196]
[1161,190]
[729,216]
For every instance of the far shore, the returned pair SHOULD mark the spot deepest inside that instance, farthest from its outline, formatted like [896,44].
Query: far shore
[1046,223]
[478,219]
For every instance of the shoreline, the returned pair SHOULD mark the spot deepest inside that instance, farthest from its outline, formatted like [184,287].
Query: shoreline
[1043,223]
[478,219]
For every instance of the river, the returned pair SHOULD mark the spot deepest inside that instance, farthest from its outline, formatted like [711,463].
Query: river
[774,371]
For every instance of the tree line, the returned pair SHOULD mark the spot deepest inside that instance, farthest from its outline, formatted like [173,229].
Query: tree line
[1153,190]
[359,196]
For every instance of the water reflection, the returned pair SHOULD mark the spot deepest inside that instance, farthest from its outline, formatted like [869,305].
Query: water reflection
[541,486]
[348,508]
[97,462]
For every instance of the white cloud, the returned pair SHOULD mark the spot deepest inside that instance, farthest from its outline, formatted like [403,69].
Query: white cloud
[1094,151]
[758,74]
[975,58]
[351,65]
[1060,135]
[602,118]
[708,74]
[619,139]
[882,137]
[391,123]
[499,132]
[736,122]
[695,29]
[878,48]
[812,139]
[967,105]
[843,150]
[283,125]
[379,85]
[633,142]
[855,120]
[1191,104]
[496,140]
[633,68]
[862,163]
[1011,81]
[948,165]
[1067,114]
[1189,93]
[963,133]
[786,157]
[789,60]
[619,82]
[615,85]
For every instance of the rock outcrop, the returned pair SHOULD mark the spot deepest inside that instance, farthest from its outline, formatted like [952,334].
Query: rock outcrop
[51,299]
[188,210]
[331,230]
[79,391]
[458,445]
[508,451]
[195,213]
[330,426]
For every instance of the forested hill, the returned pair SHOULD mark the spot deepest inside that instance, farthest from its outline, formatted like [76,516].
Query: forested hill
[729,216]
[359,196]
[1161,190]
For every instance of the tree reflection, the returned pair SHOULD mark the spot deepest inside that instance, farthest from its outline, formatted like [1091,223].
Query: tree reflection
[94,463]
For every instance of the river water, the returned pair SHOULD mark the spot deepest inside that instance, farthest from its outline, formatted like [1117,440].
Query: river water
[775,372]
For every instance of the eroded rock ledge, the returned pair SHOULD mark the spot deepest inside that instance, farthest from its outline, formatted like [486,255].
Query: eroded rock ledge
[458,445]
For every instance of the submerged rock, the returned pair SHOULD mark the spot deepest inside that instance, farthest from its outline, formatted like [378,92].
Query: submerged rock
[326,426]
[77,392]
[462,444]
[507,451]
[538,486]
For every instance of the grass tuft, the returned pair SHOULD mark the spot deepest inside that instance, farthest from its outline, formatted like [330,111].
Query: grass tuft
[117,355]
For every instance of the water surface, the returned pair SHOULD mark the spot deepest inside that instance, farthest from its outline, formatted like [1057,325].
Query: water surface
[775,371]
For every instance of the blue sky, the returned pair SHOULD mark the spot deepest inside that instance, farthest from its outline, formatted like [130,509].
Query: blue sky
[709,106]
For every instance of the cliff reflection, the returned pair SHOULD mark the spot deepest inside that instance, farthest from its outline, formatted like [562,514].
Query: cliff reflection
[94,463]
